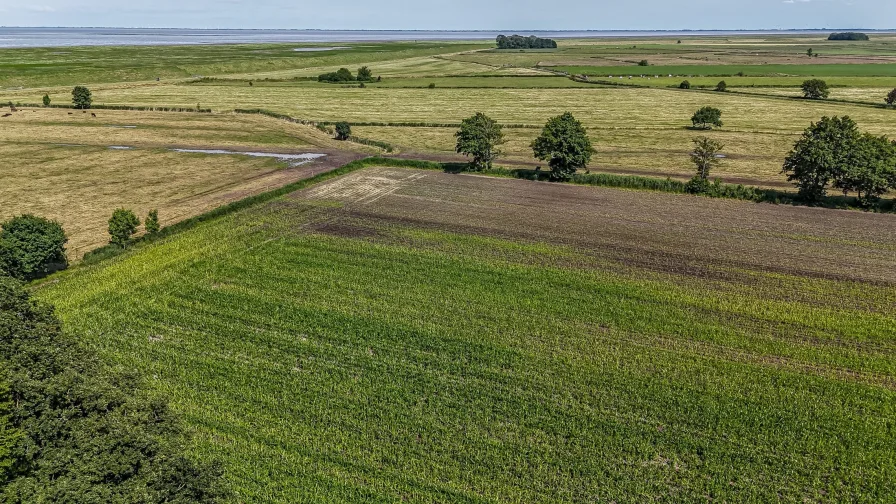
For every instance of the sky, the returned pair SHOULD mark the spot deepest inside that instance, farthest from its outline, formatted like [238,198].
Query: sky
[454,14]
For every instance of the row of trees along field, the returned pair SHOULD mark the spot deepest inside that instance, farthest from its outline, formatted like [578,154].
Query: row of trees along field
[831,152]
[71,429]
[345,75]
[519,42]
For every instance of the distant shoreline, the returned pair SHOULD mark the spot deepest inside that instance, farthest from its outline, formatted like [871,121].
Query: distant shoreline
[35,37]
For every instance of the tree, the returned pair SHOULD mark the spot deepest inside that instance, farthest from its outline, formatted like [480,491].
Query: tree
[343,130]
[564,144]
[151,224]
[820,155]
[341,75]
[479,136]
[707,117]
[85,433]
[9,434]
[32,247]
[706,155]
[848,36]
[722,86]
[684,85]
[81,97]
[122,226]
[364,74]
[46,100]
[891,98]
[815,89]
[809,52]
[643,63]
[871,171]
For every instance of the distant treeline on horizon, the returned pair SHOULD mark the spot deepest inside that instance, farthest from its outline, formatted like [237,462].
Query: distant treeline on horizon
[530,42]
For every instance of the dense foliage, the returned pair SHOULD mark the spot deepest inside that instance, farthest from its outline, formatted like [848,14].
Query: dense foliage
[365,74]
[564,144]
[707,117]
[46,100]
[706,155]
[479,136]
[722,86]
[891,98]
[343,130]
[151,224]
[341,75]
[31,247]
[122,225]
[815,89]
[530,42]
[848,36]
[871,171]
[74,432]
[684,85]
[81,97]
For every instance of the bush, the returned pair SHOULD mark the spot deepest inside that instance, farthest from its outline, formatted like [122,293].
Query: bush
[81,97]
[151,224]
[697,185]
[891,98]
[707,117]
[722,86]
[364,74]
[31,247]
[432,85]
[564,144]
[343,130]
[85,433]
[479,136]
[46,100]
[815,89]
[848,36]
[684,85]
[643,63]
[342,75]
[122,226]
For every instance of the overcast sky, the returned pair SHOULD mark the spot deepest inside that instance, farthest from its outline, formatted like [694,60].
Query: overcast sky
[453,14]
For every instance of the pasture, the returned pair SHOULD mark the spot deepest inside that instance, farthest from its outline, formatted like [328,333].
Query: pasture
[410,335]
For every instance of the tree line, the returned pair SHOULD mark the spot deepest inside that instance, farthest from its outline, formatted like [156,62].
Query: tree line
[519,42]
[363,75]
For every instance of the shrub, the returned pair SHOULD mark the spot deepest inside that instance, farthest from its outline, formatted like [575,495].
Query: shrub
[815,89]
[697,185]
[722,86]
[151,224]
[32,247]
[343,130]
[364,74]
[81,97]
[684,85]
[46,100]
[707,117]
[432,85]
[342,75]
[122,226]
[891,98]
[564,144]
[479,136]
[643,63]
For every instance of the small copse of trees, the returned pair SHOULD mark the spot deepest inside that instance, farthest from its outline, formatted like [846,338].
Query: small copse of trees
[479,137]
[81,97]
[564,144]
[848,36]
[341,75]
[365,74]
[707,117]
[122,225]
[519,42]
[815,89]
[31,247]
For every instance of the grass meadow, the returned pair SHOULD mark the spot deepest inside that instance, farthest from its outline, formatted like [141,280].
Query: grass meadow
[401,335]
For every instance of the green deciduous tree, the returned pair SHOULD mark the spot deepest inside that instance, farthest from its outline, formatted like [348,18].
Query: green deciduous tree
[707,117]
[643,63]
[706,155]
[891,98]
[151,224]
[722,86]
[81,97]
[46,100]
[343,130]
[822,154]
[10,435]
[85,433]
[815,89]
[684,85]
[479,136]
[564,144]
[31,247]
[122,226]
[341,75]
[364,74]
[809,52]
[871,170]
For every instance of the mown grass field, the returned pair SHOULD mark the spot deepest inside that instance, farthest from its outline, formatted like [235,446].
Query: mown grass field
[403,335]
[71,167]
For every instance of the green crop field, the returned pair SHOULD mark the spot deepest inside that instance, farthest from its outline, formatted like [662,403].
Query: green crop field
[410,335]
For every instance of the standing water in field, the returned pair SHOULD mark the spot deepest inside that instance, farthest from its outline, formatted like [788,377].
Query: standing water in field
[292,159]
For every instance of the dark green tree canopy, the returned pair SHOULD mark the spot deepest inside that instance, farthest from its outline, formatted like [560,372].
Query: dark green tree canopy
[81,97]
[82,433]
[479,136]
[518,42]
[722,86]
[365,74]
[564,144]
[823,153]
[891,98]
[151,224]
[707,117]
[815,89]
[341,75]
[848,36]
[46,100]
[871,171]
[684,85]
[31,247]
[706,155]
[122,226]
[343,130]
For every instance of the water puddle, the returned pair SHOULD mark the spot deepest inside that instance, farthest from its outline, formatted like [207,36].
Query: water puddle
[120,147]
[318,49]
[291,159]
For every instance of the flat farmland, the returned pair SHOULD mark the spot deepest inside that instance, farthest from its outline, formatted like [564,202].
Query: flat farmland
[78,169]
[412,335]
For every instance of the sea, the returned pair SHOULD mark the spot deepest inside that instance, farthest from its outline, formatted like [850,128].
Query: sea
[69,37]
